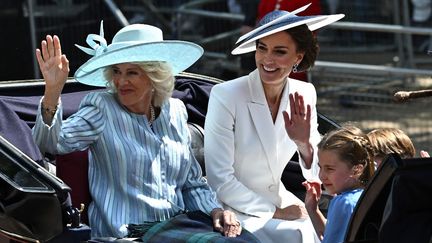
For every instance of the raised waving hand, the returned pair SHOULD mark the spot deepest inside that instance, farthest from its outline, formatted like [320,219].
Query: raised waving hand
[54,67]
[298,125]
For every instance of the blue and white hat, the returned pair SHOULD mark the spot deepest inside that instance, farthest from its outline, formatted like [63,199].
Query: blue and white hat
[134,43]
[280,20]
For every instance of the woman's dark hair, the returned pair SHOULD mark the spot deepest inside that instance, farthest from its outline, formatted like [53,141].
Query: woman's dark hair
[306,43]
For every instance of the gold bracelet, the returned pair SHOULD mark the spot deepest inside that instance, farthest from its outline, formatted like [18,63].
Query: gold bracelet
[48,110]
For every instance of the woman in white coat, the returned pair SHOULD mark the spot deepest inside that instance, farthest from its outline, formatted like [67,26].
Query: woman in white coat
[256,123]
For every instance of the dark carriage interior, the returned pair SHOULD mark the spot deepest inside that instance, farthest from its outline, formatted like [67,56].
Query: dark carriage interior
[394,207]
[19,104]
[31,199]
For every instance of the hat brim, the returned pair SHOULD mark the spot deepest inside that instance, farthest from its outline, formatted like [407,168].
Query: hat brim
[289,14]
[179,54]
[284,23]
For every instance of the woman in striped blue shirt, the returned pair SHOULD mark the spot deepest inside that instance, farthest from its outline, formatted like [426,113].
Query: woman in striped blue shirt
[142,174]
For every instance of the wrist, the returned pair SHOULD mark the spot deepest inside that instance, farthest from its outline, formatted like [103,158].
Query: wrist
[301,145]
[278,213]
[48,110]
[50,100]
[306,152]
[215,211]
[311,208]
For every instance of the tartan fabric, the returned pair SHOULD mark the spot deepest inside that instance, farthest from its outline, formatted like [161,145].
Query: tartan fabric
[192,227]
[138,230]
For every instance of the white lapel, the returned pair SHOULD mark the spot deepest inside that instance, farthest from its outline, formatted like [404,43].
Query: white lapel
[262,121]
[284,106]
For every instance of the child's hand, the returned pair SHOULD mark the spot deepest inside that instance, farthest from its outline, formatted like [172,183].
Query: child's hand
[313,194]
[424,154]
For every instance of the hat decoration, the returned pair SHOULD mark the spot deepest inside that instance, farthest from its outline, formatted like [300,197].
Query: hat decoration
[96,49]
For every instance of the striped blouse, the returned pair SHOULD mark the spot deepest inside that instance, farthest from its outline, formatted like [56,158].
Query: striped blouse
[137,172]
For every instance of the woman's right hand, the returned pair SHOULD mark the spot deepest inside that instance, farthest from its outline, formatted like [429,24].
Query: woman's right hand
[226,222]
[292,212]
[54,67]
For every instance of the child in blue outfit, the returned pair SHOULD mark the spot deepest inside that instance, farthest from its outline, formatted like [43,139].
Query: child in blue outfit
[346,165]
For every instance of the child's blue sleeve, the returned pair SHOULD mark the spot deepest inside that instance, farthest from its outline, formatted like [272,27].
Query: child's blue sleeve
[338,217]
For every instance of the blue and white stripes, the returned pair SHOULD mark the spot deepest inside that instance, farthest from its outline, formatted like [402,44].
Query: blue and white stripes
[136,173]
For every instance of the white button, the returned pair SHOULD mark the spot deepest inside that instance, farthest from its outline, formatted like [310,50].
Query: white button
[272,188]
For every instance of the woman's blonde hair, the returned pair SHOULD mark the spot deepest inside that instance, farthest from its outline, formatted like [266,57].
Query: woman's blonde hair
[352,147]
[160,74]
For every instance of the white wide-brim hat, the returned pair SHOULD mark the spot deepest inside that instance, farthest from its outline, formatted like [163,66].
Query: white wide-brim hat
[280,20]
[134,43]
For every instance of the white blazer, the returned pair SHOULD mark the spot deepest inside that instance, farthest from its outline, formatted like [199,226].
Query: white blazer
[245,153]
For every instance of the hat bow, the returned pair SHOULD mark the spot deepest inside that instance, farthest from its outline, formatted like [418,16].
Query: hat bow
[92,39]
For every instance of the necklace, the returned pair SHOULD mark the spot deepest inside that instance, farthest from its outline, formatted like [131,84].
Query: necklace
[277,6]
[152,115]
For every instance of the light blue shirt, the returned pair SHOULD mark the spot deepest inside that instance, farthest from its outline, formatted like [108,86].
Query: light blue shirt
[339,214]
[136,173]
